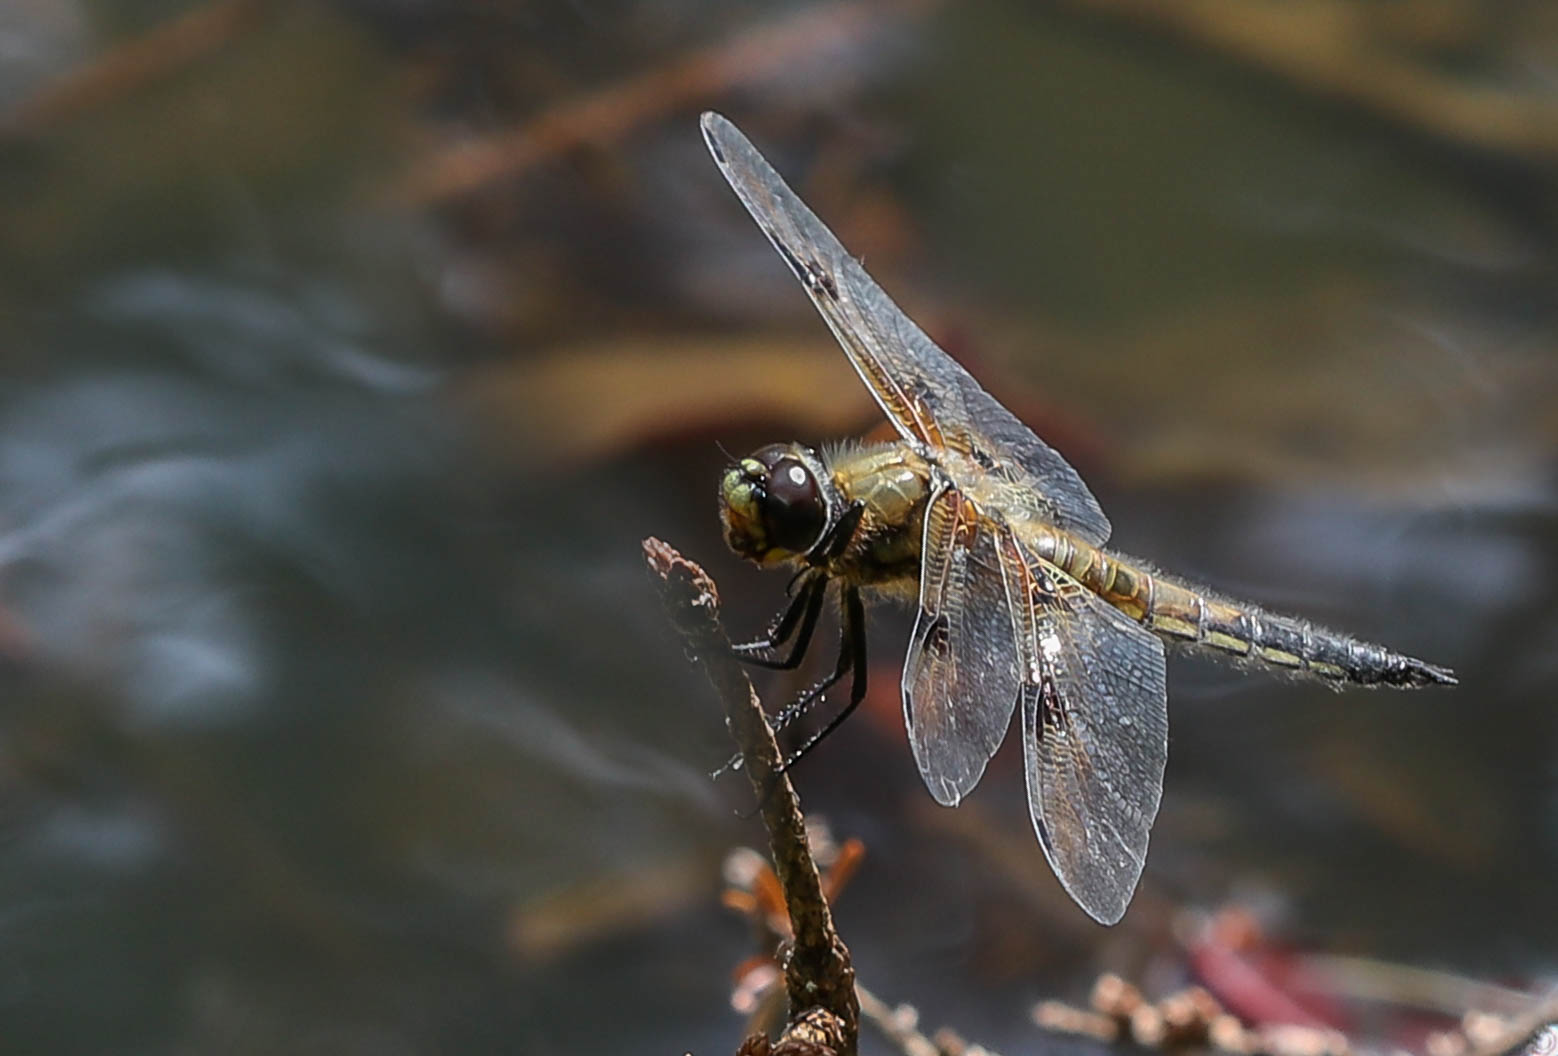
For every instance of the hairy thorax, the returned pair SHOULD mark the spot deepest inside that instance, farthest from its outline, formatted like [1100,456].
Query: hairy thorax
[894,483]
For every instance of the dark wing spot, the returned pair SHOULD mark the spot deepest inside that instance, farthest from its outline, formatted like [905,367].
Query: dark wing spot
[708,137]
[802,271]
[920,398]
[820,281]
[1051,710]
[979,455]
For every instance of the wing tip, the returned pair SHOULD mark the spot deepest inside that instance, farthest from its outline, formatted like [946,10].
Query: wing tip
[716,126]
[1109,915]
[948,790]
[1107,907]
[1108,902]
[946,793]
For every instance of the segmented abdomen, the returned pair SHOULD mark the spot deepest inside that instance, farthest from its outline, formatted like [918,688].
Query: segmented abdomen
[1181,613]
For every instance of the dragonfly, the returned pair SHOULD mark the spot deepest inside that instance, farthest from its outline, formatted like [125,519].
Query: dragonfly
[995,539]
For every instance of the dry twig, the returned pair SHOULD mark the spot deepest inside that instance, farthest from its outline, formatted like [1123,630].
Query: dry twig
[1324,48]
[819,979]
[613,110]
[753,890]
[158,53]
[1533,1032]
[899,1025]
[1190,1018]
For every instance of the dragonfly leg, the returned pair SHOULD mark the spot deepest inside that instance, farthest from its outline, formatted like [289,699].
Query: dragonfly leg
[806,606]
[835,539]
[852,655]
[802,613]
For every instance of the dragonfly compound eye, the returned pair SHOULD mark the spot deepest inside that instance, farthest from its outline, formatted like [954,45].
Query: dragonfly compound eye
[793,509]
[771,505]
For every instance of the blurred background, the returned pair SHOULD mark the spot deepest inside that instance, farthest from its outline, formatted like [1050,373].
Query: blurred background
[351,347]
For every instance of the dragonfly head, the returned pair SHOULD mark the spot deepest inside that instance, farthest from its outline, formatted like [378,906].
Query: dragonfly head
[772,505]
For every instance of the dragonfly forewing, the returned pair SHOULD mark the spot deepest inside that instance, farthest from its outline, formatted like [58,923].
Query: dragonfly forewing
[926,394]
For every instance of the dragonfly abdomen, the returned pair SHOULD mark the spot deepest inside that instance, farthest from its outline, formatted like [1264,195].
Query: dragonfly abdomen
[1185,614]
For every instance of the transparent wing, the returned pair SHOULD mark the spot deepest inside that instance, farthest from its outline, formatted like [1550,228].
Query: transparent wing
[926,394]
[960,677]
[1095,731]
